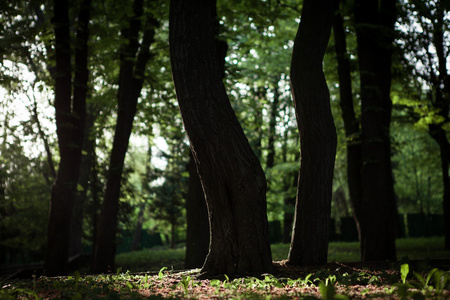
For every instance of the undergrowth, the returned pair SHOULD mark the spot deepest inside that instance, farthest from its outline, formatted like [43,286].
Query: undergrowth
[324,284]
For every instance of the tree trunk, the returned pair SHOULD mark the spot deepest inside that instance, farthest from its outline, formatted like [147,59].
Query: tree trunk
[442,101]
[439,135]
[70,114]
[351,124]
[197,233]
[309,245]
[378,221]
[272,124]
[76,231]
[133,62]
[232,178]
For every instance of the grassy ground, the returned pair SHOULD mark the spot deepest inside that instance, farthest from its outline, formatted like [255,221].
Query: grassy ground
[413,249]
[336,280]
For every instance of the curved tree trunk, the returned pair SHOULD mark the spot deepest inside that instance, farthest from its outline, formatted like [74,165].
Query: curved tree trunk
[232,178]
[309,245]
[133,62]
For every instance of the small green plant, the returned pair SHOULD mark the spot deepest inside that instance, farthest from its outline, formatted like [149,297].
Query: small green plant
[161,272]
[299,281]
[327,288]
[404,271]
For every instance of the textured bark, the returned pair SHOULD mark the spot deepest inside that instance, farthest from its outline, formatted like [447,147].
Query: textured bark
[378,221]
[232,178]
[309,245]
[133,62]
[70,115]
[351,124]
[197,232]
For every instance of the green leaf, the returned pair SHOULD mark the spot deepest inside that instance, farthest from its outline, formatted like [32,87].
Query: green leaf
[404,270]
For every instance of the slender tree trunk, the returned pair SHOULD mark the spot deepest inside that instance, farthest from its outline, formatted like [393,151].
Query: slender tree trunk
[137,235]
[378,221]
[70,114]
[76,231]
[232,178]
[309,245]
[351,124]
[133,62]
[272,124]
[44,139]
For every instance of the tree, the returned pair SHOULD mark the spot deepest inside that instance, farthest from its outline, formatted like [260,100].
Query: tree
[426,55]
[133,60]
[70,111]
[351,123]
[374,22]
[309,245]
[232,178]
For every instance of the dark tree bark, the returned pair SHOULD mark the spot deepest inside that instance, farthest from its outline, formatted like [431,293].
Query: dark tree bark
[76,228]
[440,136]
[374,21]
[133,61]
[309,245]
[232,178]
[441,84]
[351,123]
[197,232]
[272,124]
[70,115]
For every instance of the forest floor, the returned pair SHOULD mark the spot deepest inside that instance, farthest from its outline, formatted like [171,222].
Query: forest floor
[333,280]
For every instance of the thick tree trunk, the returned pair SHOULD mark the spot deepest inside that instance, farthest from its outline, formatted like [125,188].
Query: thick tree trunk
[439,135]
[70,114]
[132,66]
[351,124]
[197,233]
[232,178]
[309,245]
[378,220]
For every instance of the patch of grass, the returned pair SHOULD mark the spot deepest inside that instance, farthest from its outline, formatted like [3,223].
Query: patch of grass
[422,248]
[155,259]
[151,260]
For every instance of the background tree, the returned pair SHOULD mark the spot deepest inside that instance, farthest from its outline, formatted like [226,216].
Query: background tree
[309,244]
[425,57]
[70,115]
[351,122]
[133,62]
[374,23]
[232,178]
